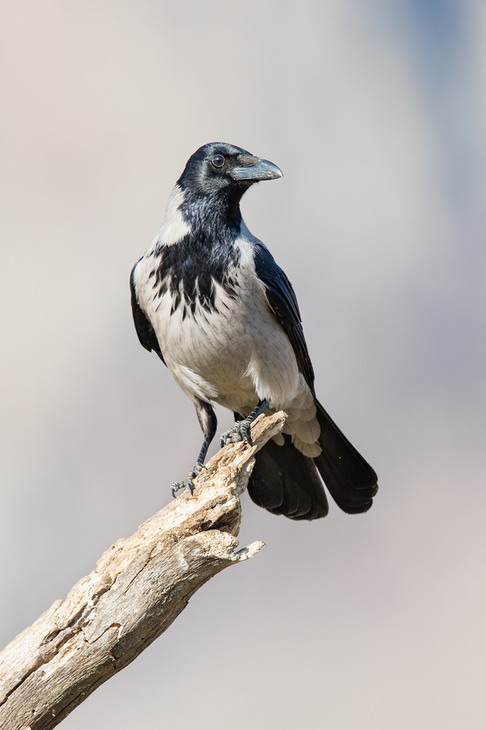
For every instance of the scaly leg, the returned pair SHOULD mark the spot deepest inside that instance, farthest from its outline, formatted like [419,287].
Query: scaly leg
[208,422]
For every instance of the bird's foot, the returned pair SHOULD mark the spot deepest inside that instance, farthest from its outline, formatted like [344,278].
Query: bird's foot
[239,432]
[188,482]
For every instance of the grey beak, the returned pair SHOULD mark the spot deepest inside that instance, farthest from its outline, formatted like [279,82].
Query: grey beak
[253,169]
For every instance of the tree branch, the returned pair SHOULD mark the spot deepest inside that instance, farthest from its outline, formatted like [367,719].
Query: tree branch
[139,586]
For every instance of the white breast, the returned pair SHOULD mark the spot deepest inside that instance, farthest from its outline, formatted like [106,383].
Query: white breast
[236,354]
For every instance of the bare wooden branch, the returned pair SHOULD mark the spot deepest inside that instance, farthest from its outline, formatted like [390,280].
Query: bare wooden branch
[139,586]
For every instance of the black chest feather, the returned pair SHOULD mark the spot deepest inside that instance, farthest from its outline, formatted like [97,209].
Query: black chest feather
[190,270]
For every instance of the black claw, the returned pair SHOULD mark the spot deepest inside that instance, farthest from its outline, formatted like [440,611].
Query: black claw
[239,432]
[188,482]
[179,486]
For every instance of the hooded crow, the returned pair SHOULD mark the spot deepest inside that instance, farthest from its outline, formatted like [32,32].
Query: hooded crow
[210,300]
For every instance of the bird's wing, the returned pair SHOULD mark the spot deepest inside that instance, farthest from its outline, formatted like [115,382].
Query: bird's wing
[283,302]
[145,331]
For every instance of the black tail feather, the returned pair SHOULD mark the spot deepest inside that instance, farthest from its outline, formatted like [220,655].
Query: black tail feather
[350,479]
[286,482]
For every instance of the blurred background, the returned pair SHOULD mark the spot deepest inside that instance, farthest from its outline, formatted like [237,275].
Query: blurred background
[376,112]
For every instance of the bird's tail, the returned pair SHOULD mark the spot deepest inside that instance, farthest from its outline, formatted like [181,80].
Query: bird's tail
[284,481]
[351,481]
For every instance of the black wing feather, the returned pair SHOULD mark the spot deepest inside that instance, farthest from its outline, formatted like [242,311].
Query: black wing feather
[284,480]
[145,331]
[283,302]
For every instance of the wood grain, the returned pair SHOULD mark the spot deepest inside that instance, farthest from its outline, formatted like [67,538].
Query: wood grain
[139,586]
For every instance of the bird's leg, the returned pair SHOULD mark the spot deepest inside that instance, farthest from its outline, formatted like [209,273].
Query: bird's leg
[208,422]
[241,430]
[197,468]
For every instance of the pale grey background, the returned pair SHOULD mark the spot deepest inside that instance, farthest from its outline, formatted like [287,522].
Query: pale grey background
[376,113]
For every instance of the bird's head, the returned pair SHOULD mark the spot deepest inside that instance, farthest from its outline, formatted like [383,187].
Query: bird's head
[222,171]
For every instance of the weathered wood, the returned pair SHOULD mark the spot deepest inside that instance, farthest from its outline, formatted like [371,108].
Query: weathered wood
[139,586]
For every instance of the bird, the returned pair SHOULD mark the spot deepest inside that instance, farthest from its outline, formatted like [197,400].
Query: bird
[210,300]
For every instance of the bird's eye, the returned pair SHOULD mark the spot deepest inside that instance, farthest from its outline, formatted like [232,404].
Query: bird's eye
[217,161]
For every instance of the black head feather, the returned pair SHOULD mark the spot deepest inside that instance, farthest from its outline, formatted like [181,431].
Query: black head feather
[220,173]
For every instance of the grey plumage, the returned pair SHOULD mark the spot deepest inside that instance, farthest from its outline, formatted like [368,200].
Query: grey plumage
[209,298]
